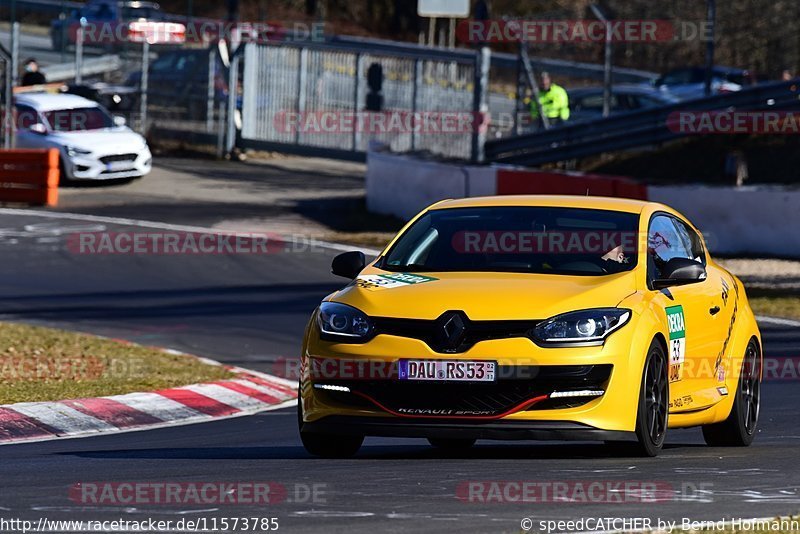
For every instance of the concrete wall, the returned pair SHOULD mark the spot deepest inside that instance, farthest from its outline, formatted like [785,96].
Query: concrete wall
[759,221]
[403,185]
[749,220]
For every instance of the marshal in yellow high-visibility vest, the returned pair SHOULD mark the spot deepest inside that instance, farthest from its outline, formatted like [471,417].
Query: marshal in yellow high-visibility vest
[553,99]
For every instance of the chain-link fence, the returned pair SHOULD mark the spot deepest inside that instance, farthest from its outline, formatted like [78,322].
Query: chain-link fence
[312,97]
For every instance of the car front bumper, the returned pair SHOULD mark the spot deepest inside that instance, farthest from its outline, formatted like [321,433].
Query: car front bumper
[109,166]
[372,404]
[497,430]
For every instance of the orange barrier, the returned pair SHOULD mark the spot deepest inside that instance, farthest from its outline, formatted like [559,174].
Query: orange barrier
[56,87]
[29,176]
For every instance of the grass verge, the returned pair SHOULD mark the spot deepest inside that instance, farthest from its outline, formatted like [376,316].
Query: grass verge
[775,302]
[44,364]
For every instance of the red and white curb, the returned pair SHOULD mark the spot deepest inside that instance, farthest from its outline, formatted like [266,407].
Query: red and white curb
[249,392]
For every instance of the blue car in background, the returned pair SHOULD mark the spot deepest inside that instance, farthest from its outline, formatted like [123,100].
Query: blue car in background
[689,82]
[586,103]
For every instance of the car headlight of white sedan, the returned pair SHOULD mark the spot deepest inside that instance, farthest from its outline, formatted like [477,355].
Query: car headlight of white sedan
[73,151]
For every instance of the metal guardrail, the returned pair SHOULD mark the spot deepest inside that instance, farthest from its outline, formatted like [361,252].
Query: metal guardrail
[89,67]
[631,130]
[559,67]
[55,5]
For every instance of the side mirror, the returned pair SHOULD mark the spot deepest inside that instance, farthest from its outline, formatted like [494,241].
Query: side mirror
[38,128]
[680,271]
[349,264]
[119,120]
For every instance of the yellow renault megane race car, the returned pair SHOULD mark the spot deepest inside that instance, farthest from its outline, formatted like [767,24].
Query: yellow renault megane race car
[533,317]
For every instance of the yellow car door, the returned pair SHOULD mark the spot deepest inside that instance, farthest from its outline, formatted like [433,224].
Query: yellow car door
[689,324]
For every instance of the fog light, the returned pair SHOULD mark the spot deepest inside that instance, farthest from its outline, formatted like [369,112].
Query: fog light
[580,393]
[330,387]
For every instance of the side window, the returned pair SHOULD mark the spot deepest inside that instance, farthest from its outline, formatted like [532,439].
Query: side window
[26,117]
[595,102]
[664,242]
[692,240]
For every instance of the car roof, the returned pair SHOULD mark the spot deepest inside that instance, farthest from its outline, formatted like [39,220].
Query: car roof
[565,201]
[52,102]
[717,69]
[138,4]
[622,89]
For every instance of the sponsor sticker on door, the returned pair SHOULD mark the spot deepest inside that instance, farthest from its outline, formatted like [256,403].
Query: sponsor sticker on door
[373,282]
[677,341]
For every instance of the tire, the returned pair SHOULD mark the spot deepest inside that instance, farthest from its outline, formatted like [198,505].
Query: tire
[652,413]
[63,179]
[452,444]
[326,445]
[739,429]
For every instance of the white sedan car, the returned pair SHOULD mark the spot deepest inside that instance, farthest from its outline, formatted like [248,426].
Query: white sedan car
[93,145]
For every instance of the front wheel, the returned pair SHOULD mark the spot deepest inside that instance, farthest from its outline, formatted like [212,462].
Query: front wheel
[739,429]
[326,445]
[652,413]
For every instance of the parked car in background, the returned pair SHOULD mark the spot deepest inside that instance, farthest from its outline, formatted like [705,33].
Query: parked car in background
[114,13]
[121,99]
[93,144]
[178,79]
[586,103]
[689,82]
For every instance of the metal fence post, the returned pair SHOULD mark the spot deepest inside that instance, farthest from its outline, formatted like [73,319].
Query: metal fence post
[418,73]
[233,94]
[302,82]
[357,98]
[221,131]
[144,83]
[79,54]
[211,93]
[15,54]
[8,112]
[480,102]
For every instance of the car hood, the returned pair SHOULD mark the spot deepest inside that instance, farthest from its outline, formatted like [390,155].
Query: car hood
[117,141]
[483,296]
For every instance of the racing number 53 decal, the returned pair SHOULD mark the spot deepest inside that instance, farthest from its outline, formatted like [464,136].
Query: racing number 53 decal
[677,341]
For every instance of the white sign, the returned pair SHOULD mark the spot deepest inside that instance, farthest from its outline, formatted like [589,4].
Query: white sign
[443,8]
[156,32]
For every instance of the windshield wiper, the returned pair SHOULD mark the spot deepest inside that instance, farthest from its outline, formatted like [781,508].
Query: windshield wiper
[409,268]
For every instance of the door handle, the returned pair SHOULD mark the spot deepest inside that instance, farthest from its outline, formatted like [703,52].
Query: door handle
[714,310]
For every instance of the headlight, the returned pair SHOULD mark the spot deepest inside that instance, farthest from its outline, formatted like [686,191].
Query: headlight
[339,322]
[75,151]
[585,326]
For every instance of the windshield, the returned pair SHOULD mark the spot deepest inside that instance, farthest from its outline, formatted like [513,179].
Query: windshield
[548,240]
[78,120]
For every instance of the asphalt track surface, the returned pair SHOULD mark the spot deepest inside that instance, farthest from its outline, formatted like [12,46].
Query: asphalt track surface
[250,310]
[41,48]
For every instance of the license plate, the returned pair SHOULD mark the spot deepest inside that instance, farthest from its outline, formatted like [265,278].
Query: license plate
[119,166]
[447,370]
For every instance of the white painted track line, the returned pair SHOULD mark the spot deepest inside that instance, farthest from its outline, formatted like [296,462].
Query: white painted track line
[161,226]
[158,406]
[61,417]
